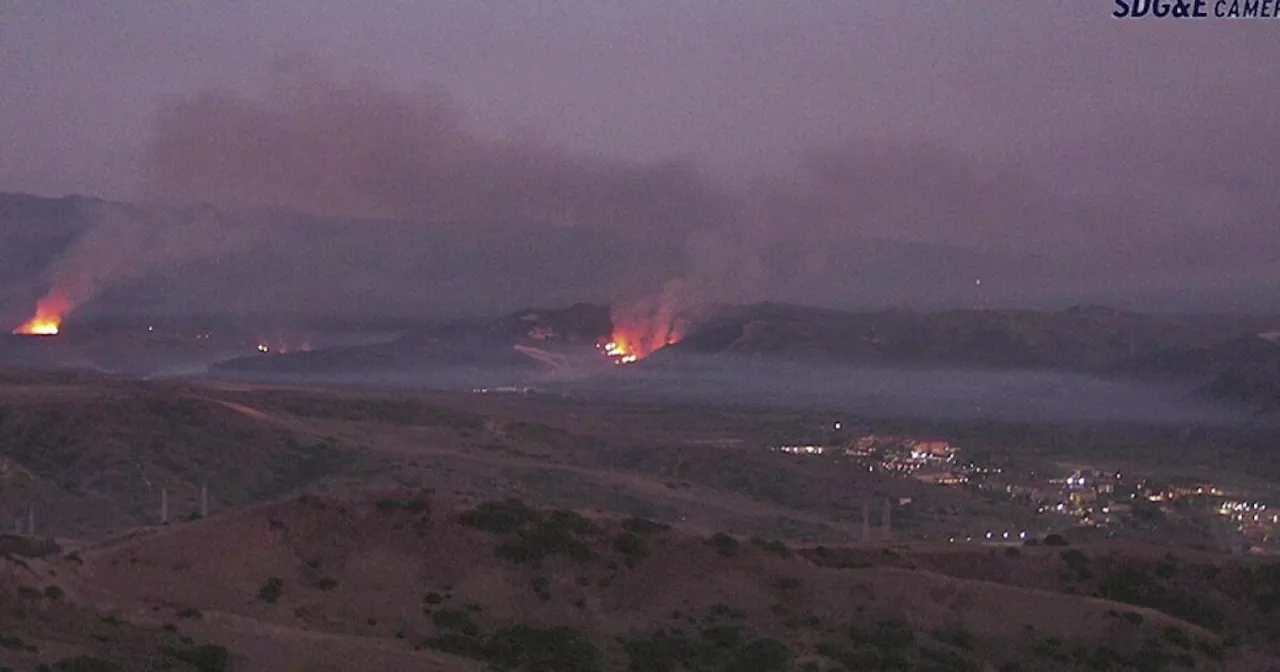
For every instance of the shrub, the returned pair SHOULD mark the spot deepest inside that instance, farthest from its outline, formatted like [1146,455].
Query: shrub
[86,664]
[762,655]
[1078,563]
[205,658]
[726,545]
[271,591]
[1212,651]
[570,521]
[644,526]
[326,583]
[720,648]
[1176,637]
[189,612]
[541,588]
[1056,540]
[53,592]
[551,649]
[455,620]
[1012,552]
[433,598]
[631,545]
[420,503]
[959,637]
[786,583]
[773,546]
[534,547]
[501,517]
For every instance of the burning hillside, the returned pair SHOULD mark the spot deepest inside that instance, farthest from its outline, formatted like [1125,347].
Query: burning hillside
[47,321]
[643,328]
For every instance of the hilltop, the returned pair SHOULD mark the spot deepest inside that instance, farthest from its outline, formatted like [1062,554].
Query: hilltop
[92,454]
[1081,338]
[408,577]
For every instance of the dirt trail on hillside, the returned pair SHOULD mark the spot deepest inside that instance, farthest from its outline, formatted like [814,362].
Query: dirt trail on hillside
[245,410]
[699,495]
[379,439]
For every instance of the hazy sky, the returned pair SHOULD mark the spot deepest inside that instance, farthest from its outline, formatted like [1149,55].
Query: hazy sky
[1140,152]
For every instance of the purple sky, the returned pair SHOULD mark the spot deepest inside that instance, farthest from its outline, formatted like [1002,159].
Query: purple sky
[1147,148]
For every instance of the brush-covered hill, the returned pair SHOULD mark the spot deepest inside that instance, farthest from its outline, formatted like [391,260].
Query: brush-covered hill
[1089,339]
[464,343]
[509,586]
[1083,338]
[93,456]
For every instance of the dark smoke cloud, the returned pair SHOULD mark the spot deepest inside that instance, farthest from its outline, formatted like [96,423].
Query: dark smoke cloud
[355,146]
[872,221]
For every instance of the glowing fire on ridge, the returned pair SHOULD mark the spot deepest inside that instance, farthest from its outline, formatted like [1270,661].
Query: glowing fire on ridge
[635,336]
[47,320]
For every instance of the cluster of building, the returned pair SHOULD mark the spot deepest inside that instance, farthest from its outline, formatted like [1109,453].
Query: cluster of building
[1256,523]
[929,459]
[1087,496]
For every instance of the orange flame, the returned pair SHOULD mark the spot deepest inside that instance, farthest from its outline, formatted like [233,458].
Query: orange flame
[48,318]
[644,329]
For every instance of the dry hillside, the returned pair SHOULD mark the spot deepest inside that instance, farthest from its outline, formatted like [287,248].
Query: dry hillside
[453,584]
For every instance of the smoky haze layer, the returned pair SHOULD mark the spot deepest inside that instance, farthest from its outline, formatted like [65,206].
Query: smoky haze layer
[746,382]
[876,221]
[1055,153]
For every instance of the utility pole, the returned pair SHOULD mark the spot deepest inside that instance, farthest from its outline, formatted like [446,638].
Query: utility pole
[887,528]
[866,522]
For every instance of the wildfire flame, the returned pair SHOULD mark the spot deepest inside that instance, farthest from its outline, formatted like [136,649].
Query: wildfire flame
[642,331]
[47,320]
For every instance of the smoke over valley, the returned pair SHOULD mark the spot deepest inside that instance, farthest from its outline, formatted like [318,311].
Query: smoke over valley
[303,194]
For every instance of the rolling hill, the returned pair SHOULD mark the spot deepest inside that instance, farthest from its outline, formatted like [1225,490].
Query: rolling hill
[356,581]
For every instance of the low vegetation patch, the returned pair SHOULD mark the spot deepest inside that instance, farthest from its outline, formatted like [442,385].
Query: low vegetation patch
[632,546]
[87,664]
[1078,563]
[773,546]
[724,644]
[271,591]
[501,517]
[455,622]
[521,648]
[205,658]
[726,545]
[419,503]
[644,526]
[1133,585]
[529,536]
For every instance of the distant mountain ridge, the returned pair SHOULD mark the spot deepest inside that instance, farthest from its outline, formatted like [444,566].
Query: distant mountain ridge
[1081,338]
[1222,352]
